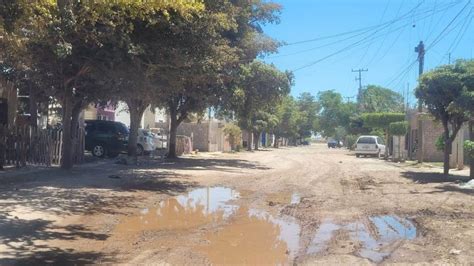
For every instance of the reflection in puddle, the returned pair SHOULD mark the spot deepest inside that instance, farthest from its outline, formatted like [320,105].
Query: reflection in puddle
[253,237]
[323,235]
[378,237]
[198,207]
[295,198]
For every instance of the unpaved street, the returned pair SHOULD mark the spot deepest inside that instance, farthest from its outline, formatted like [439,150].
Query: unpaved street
[302,205]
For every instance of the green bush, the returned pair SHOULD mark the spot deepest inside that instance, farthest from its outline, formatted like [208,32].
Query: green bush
[350,141]
[377,132]
[469,146]
[381,120]
[439,144]
[398,128]
[235,135]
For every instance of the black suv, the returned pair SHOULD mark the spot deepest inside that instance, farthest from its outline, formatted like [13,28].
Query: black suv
[106,138]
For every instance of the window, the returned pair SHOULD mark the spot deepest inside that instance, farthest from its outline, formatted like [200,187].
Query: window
[366,140]
[380,141]
[104,128]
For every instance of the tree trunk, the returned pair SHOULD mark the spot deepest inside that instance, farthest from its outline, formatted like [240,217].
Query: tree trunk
[136,110]
[66,159]
[76,112]
[277,140]
[446,149]
[471,158]
[256,136]
[173,133]
[249,140]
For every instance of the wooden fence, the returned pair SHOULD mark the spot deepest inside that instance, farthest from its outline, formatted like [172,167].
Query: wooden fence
[25,145]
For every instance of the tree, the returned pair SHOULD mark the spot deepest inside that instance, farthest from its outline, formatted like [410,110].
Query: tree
[466,103]
[207,50]
[376,99]
[334,112]
[289,119]
[259,87]
[440,90]
[309,109]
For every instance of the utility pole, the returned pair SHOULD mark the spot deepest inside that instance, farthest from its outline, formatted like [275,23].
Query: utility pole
[420,49]
[408,91]
[359,94]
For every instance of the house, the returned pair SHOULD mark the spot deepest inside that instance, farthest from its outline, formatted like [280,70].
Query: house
[92,112]
[422,137]
[150,116]
[206,136]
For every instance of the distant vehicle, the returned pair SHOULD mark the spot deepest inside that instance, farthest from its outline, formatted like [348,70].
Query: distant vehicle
[106,138]
[305,142]
[145,142]
[160,141]
[333,144]
[369,146]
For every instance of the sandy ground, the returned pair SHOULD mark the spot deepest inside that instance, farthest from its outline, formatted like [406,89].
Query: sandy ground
[305,205]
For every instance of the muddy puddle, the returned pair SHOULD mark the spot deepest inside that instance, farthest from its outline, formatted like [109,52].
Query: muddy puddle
[244,235]
[197,208]
[375,237]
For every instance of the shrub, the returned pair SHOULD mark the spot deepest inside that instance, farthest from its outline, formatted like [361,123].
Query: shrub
[350,141]
[235,135]
[469,146]
[398,128]
[439,144]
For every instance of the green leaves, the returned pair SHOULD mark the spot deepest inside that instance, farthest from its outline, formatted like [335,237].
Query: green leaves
[381,120]
[398,128]
[377,99]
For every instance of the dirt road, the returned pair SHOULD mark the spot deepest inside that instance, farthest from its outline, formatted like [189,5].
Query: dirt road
[304,205]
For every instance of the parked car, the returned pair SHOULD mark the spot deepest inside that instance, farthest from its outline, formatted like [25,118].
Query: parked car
[333,144]
[369,146]
[145,142]
[106,138]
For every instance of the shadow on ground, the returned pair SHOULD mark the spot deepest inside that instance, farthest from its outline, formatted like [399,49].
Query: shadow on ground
[22,240]
[445,183]
[224,165]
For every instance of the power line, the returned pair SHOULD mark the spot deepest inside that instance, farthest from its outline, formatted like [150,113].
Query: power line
[440,35]
[348,47]
[358,43]
[364,28]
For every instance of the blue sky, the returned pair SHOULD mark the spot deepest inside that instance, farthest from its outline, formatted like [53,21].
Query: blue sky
[387,51]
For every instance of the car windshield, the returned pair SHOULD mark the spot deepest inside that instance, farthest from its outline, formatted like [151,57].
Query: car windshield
[366,140]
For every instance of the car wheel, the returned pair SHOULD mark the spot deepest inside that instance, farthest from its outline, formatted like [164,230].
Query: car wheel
[357,155]
[98,150]
[140,150]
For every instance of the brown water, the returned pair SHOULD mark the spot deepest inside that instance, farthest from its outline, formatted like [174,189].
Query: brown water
[197,208]
[253,236]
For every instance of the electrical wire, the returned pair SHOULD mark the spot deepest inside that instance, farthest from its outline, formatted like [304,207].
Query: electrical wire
[353,45]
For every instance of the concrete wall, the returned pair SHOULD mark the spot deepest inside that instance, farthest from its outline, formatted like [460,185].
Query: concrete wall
[205,137]
[431,130]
